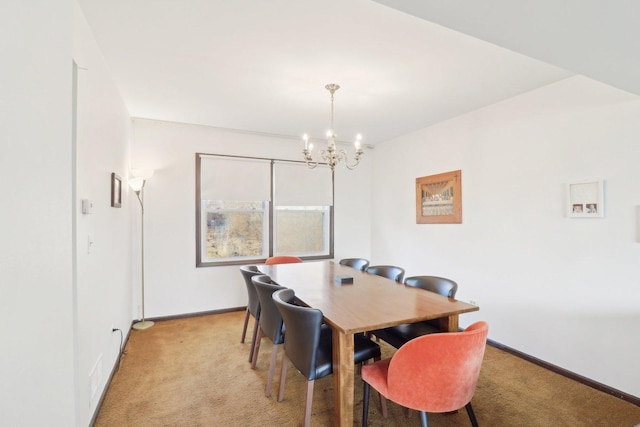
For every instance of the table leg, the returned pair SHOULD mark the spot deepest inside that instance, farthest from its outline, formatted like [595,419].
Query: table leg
[449,324]
[343,378]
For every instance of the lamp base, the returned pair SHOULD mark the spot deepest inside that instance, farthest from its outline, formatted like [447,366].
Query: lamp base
[145,324]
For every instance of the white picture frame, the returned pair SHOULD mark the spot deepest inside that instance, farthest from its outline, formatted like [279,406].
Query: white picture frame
[585,199]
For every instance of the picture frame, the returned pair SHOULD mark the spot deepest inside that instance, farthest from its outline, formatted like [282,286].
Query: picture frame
[116,191]
[439,198]
[585,199]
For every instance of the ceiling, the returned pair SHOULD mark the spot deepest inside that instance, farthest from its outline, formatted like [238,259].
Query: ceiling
[596,38]
[261,66]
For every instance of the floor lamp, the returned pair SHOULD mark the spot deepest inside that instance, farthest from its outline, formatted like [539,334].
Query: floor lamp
[137,185]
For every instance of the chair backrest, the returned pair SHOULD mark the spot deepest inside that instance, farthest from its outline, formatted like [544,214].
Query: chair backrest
[439,285]
[359,263]
[389,271]
[438,372]
[282,259]
[303,330]
[270,318]
[253,303]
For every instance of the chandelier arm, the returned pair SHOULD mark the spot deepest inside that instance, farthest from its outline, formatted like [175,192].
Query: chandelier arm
[342,155]
[308,159]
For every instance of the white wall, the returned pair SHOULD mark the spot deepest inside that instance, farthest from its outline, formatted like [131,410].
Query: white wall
[173,285]
[104,276]
[36,259]
[563,290]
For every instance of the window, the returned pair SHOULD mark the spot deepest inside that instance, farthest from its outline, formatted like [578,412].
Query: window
[234,230]
[302,230]
[249,209]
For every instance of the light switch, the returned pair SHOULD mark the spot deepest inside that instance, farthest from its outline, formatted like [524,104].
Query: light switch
[87,206]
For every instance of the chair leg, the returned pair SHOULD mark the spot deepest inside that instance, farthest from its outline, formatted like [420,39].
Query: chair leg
[472,415]
[307,406]
[253,339]
[383,405]
[383,400]
[423,419]
[365,404]
[272,369]
[244,328]
[283,377]
[256,348]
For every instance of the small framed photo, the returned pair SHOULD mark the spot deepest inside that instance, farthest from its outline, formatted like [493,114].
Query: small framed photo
[439,198]
[586,199]
[116,191]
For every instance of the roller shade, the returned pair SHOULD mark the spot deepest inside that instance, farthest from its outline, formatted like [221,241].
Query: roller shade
[297,185]
[230,178]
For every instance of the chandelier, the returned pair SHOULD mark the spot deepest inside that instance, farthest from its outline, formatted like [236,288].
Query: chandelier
[331,155]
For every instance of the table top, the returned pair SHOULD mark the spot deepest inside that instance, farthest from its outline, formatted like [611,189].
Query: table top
[370,302]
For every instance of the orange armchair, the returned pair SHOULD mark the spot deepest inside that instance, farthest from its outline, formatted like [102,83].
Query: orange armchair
[282,259]
[431,373]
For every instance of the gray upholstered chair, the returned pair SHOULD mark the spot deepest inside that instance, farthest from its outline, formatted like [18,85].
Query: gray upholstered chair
[253,304]
[271,324]
[357,263]
[308,345]
[400,334]
[389,271]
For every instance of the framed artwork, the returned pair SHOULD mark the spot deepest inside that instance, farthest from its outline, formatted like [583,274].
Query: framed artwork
[439,198]
[585,199]
[116,191]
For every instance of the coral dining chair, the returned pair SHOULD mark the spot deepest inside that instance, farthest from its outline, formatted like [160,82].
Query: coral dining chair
[282,259]
[431,373]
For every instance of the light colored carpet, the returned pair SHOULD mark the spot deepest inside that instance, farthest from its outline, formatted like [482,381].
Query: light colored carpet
[194,372]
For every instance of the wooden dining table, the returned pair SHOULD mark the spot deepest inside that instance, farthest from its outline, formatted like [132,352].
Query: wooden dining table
[370,302]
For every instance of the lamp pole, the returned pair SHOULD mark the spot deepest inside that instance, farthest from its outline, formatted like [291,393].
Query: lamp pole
[143,323]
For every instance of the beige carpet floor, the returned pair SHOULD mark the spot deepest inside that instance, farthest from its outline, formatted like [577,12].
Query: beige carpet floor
[194,372]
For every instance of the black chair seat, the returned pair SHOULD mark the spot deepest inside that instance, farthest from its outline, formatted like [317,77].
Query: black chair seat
[364,349]
[398,335]
[324,354]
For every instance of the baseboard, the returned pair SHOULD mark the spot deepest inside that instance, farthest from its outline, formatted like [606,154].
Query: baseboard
[114,369]
[571,375]
[197,314]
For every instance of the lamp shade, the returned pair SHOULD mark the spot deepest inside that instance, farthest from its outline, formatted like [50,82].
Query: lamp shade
[145,174]
[136,184]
